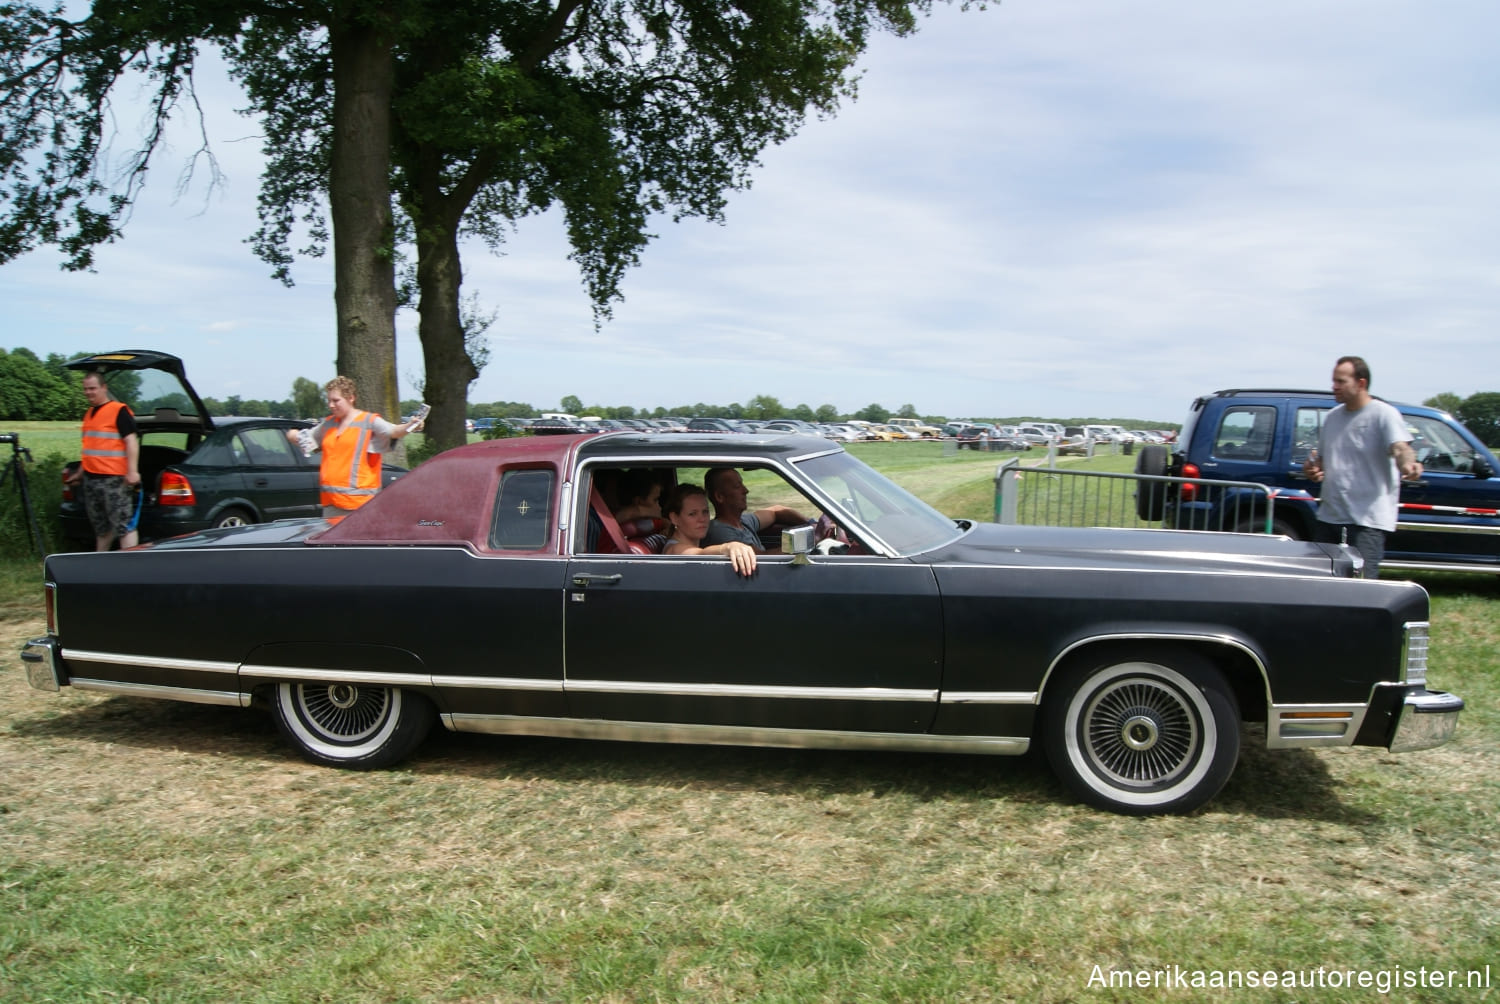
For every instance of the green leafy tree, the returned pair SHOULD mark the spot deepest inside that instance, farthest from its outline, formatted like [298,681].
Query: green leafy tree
[307,399]
[59,77]
[826,413]
[872,413]
[1446,401]
[570,405]
[907,411]
[475,115]
[1481,413]
[803,413]
[764,407]
[31,391]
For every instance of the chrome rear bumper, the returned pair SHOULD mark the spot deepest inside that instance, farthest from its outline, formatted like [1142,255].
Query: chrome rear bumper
[43,664]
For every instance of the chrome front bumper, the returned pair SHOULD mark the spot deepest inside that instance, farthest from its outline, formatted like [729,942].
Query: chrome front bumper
[1428,718]
[43,664]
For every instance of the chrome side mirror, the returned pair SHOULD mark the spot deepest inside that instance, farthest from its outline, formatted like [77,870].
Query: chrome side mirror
[797,542]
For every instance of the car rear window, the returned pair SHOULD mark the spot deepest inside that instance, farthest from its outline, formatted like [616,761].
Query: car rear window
[523,516]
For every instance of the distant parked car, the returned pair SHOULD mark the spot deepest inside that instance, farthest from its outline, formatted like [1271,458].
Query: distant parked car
[1074,442]
[791,426]
[983,436]
[916,429]
[1040,433]
[843,433]
[199,472]
[710,425]
[559,427]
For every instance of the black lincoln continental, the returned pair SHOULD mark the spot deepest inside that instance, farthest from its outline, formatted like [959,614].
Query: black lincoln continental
[494,590]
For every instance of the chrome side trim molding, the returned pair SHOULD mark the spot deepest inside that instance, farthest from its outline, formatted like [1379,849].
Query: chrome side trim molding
[337,676]
[991,697]
[151,661]
[227,698]
[1228,641]
[733,735]
[496,683]
[1438,566]
[1300,726]
[749,691]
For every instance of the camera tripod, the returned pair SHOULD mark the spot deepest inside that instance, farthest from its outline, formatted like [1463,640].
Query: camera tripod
[16,469]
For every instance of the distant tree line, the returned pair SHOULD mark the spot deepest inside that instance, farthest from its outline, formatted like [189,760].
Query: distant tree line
[33,389]
[45,390]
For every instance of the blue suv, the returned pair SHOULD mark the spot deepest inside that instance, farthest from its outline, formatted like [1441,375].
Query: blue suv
[1449,518]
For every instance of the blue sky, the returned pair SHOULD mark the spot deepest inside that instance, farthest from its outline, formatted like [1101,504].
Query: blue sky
[1048,207]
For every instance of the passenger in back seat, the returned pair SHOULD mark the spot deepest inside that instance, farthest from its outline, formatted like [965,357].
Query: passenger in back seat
[639,493]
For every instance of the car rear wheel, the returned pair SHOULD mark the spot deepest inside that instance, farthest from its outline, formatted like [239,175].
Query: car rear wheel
[352,725]
[234,517]
[1151,496]
[1143,733]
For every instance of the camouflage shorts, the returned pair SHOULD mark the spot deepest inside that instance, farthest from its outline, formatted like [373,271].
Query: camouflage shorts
[110,503]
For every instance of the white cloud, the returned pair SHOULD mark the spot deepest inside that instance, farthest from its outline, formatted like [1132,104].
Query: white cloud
[1062,208]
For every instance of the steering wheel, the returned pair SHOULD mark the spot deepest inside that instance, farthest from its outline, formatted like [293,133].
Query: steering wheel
[826,529]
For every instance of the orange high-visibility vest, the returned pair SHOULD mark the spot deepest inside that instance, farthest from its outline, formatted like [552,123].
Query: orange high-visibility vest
[103,446]
[349,474]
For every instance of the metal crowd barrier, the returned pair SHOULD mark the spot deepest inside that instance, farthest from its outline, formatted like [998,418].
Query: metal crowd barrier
[1054,496]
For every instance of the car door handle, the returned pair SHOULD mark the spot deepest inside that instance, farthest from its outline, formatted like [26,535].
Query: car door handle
[262,482]
[583,580]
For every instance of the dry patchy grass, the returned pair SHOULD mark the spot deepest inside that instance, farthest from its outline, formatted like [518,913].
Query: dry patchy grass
[160,851]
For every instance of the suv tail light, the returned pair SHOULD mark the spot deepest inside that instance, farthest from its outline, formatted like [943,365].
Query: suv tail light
[67,487]
[174,489]
[1189,492]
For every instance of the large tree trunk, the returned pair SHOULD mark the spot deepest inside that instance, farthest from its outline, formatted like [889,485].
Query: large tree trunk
[449,370]
[359,186]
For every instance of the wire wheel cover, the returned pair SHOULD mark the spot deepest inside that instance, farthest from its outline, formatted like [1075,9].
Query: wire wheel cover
[1141,732]
[343,712]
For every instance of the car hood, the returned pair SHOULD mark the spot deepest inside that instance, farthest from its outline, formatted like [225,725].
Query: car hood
[1041,546]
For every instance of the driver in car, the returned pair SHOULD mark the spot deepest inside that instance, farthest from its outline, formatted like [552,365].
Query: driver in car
[732,520]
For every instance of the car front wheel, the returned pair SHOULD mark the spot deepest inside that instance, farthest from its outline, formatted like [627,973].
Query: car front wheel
[352,725]
[1144,734]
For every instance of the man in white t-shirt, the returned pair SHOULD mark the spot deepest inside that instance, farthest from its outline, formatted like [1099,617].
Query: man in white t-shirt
[1364,450]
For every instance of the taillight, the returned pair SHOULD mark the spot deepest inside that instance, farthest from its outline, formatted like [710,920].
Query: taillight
[67,487]
[174,489]
[50,589]
[1189,492]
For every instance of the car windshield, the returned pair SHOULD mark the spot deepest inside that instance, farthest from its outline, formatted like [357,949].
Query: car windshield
[900,518]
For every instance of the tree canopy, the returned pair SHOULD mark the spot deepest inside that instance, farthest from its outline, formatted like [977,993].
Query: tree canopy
[473,115]
[32,389]
[1481,413]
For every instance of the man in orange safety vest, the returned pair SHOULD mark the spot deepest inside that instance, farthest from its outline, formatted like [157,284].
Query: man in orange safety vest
[110,472]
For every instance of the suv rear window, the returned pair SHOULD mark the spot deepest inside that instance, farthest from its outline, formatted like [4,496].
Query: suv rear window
[1245,433]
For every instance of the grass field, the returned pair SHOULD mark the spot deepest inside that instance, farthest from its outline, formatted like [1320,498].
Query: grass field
[154,851]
